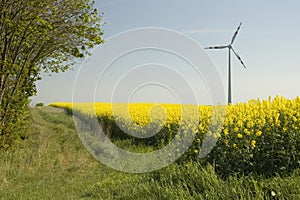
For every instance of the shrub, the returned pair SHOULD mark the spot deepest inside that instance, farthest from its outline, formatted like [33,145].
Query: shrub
[39,104]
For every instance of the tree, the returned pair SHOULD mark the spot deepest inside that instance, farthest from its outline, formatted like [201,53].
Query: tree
[36,36]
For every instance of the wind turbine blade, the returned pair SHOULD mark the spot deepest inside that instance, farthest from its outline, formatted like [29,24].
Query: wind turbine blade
[237,55]
[216,47]
[235,34]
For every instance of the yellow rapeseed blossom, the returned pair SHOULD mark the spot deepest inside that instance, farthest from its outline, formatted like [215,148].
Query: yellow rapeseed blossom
[239,123]
[216,135]
[235,129]
[246,131]
[225,131]
[258,133]
[250,124]
[284,129]
[242,121]
[253,143]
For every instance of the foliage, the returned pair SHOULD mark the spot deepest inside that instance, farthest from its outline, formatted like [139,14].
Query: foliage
[260,137]
[39,36]
[39,104]
[15,124]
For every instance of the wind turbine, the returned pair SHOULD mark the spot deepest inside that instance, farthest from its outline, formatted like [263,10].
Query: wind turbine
[230,48]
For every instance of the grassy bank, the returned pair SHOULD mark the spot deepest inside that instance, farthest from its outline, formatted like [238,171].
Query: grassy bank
[51,163]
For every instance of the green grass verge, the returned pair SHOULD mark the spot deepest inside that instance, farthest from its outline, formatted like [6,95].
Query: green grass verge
[51,163]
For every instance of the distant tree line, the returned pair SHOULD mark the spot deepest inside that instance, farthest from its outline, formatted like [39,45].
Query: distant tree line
[36,36]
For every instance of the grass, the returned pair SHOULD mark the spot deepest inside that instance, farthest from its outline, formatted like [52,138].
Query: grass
[51,163]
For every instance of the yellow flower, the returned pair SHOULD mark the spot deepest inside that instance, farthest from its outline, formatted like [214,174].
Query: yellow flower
[196,151]
[247,132]
[239,123]
[284,129]
[201,127]
[234,145]
[250,124]
[226,132]
[253,143]
[236,129]
[258,133]
[277,122]
[216,135]
[240,136]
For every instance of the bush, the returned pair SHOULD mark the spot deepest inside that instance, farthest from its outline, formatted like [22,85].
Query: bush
[39,104]
[15,125]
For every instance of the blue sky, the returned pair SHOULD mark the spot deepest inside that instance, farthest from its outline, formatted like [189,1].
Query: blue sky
[268,42]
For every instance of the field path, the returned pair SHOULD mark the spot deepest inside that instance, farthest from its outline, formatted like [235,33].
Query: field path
[51,163]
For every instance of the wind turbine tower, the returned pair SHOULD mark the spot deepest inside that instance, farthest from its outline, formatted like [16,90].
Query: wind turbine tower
[230,48]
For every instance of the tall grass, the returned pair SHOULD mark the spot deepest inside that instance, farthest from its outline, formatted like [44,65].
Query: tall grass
[51,163]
